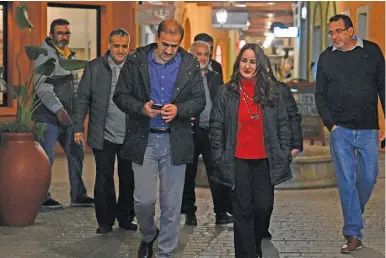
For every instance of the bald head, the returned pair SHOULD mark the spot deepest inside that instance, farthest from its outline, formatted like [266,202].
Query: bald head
[171,27]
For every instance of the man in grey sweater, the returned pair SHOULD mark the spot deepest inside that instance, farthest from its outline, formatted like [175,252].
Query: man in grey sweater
[57,94]
[106,133]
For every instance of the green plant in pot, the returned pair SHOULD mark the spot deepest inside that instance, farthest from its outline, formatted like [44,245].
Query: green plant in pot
[25,171]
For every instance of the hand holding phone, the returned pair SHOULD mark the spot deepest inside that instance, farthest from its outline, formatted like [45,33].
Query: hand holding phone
[149,111]
[157,106]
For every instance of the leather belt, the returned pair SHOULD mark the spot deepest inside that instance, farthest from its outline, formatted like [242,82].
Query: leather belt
[160,131]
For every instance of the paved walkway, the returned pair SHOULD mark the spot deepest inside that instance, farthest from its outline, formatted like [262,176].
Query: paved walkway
[306,223]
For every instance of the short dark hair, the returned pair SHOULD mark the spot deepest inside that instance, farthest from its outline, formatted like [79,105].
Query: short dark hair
[118,32]
[346,20]
[58,22]
[203,37]
[170,26]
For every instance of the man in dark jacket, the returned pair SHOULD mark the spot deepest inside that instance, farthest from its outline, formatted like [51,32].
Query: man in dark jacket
[212,81]
[160,88]
[57,94]
[213,64]
[106,131]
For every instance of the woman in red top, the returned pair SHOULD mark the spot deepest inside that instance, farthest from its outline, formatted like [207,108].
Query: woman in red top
[251,145]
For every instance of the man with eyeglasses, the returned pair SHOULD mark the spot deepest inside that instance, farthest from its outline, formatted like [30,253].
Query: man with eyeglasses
[350,77]
[160,87]
[106,132]
[58,95]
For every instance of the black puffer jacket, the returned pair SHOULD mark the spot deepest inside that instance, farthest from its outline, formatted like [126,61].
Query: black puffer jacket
[223,132]
[133,91]
[294,117]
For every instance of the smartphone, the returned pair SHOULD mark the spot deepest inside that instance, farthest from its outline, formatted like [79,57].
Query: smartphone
[157,106]
[383,144]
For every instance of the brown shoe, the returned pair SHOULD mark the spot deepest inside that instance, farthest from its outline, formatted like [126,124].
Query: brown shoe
[352,245]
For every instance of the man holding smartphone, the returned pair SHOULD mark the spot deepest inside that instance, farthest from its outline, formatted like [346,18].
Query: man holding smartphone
[160,88]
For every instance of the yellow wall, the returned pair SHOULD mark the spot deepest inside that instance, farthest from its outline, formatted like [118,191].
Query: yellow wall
[376,18]
[376,31]
[200,21]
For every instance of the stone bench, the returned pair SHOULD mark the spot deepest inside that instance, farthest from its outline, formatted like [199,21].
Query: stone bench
[313,169]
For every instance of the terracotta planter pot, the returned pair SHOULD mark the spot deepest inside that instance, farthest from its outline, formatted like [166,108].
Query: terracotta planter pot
[25,176]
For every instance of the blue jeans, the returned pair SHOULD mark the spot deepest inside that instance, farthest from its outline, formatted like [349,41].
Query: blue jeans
[355,157]
[74,153]
[157,162]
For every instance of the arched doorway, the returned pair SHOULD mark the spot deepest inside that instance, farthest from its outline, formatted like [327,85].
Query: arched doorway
[330,11]
[218,54]
[317,37]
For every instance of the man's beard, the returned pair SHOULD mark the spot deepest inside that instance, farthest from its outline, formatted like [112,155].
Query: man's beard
[62,43]
[203,68]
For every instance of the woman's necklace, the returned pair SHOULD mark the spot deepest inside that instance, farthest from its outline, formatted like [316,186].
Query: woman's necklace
[245,96]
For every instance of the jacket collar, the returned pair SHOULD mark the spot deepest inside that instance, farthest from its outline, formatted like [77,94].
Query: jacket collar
[140,59]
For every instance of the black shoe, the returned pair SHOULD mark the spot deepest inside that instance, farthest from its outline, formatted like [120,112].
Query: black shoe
[104,230]
[267,235]
[190,219]
[128,225]
[52,204]
[146,249]
[223,218]
[85,202]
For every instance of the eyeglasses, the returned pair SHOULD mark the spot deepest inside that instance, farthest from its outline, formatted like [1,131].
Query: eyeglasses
[337,32]
[61,33]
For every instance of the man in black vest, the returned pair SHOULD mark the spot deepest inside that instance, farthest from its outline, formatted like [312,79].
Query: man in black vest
[212,82]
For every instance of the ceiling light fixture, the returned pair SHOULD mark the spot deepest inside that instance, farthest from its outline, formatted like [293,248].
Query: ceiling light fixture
[221,16]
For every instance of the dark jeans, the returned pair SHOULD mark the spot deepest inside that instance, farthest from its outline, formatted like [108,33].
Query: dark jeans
[74,153]
[220,193]
[106,206]
[251,200]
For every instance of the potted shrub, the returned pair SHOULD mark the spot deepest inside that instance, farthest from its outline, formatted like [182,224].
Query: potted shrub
[25,171]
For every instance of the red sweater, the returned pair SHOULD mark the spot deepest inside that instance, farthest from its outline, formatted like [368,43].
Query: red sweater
[250,134]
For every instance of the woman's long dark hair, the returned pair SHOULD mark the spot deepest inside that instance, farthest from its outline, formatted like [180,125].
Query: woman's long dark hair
[271,75]
[263,87]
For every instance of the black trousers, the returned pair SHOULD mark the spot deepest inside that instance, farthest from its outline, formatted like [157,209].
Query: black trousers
[106,206]
[220,193]
[251,200]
